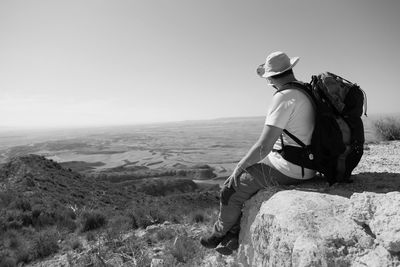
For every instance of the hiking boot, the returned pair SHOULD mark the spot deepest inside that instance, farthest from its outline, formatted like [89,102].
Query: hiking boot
[211,241]
[229,244]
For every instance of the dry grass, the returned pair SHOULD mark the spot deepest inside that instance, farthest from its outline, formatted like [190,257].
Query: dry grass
[92,220]
[388,128]
[46,243]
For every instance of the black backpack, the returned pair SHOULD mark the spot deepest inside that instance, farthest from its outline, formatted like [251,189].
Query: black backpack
[337,142]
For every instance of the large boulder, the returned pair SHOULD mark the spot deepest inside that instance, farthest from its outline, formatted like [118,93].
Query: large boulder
[379,214]
[303,228]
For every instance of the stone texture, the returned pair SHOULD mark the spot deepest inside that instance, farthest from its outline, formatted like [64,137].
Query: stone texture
[300,228]
[380,213]
[378,257]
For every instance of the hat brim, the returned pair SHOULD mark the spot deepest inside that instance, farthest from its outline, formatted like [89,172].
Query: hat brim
[293,62]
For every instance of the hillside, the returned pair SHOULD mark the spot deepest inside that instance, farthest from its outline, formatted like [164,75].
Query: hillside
[45,208]
[36,176]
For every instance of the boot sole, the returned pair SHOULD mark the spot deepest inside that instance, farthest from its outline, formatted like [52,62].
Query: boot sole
[224,251]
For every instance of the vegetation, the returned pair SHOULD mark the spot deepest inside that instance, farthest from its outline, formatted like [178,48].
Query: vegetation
[92,220]
[388,128]
[32,229]
[45,243]
[48,209]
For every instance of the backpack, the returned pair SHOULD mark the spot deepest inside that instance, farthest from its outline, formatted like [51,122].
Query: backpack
[337,142]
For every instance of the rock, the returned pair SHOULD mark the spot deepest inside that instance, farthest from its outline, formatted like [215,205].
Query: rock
[299,228]
[165,261]
[157,263]
[163,231]
[378,257]
[380,213]
[308,252]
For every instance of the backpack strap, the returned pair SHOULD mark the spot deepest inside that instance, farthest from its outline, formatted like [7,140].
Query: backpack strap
[302,87]
[306,90]
[294,138]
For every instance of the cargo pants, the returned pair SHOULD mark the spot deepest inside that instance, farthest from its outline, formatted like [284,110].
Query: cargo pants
[253,179]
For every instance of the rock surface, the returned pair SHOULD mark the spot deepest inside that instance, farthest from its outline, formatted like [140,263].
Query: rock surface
[381,214]
[300,228]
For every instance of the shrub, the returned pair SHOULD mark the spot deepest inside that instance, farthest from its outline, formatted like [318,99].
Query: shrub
[12,239]
[388,128]
[197,217]
[45,243]
[90,236]
[44,218]
[21,204]
[12,219]
[14,249]
[65,219]
[116,226]
[92,220]
[6,197]
[136,251]
[144,216]
[8,261]
[75,244]
[183,248]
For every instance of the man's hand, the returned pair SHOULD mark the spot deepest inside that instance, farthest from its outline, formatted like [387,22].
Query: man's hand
[234,178]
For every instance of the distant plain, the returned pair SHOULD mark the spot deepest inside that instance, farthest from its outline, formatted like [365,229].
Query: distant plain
[219,143]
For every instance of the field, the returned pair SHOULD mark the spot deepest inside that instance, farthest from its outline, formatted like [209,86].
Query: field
[217,143]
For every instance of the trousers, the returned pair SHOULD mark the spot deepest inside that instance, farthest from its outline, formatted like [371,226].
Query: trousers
[253,179]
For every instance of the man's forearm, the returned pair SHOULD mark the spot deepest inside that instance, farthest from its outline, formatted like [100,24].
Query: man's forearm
[256,153]
[261,148]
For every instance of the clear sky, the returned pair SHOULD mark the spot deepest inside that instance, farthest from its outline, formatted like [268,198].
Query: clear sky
[93,62]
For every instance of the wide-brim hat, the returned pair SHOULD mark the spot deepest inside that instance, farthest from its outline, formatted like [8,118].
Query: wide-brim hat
[275,64]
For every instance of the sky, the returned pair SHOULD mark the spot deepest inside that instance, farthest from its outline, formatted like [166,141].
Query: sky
[96,63]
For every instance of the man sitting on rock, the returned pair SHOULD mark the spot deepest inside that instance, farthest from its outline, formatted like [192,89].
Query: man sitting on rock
[263,166]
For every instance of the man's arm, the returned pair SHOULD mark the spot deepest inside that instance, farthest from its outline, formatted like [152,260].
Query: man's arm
[257,152]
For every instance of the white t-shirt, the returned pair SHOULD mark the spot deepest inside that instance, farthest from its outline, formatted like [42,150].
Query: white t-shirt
[291,110]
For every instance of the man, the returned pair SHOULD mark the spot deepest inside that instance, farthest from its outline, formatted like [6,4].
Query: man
[263,166]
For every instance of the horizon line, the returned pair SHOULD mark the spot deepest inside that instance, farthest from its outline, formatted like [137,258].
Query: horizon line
[6,128]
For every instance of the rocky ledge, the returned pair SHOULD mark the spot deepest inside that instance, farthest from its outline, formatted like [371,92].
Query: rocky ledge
[303,228]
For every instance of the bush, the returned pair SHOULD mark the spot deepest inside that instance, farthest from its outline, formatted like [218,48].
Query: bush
[75,244]
[6,197]
[144,216]
[116,226]
[65,219]
[197,217]
[184,248]
[8,261]
[388,128]
[43,218]
[92,220]
[137,251]
[15,245]
[21,204]
[11,219]
[45,243]
[90,236]
[12,239]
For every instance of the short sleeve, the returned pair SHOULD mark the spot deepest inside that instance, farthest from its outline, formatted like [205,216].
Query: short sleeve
[281,109]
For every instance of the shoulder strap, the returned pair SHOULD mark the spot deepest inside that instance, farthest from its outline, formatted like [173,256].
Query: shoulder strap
[302,87]
[294,138]
[305,90]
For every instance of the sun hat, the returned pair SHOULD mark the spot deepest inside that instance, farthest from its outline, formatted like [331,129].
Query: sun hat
[276,63]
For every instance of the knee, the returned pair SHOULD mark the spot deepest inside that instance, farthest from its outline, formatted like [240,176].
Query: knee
[226,193]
